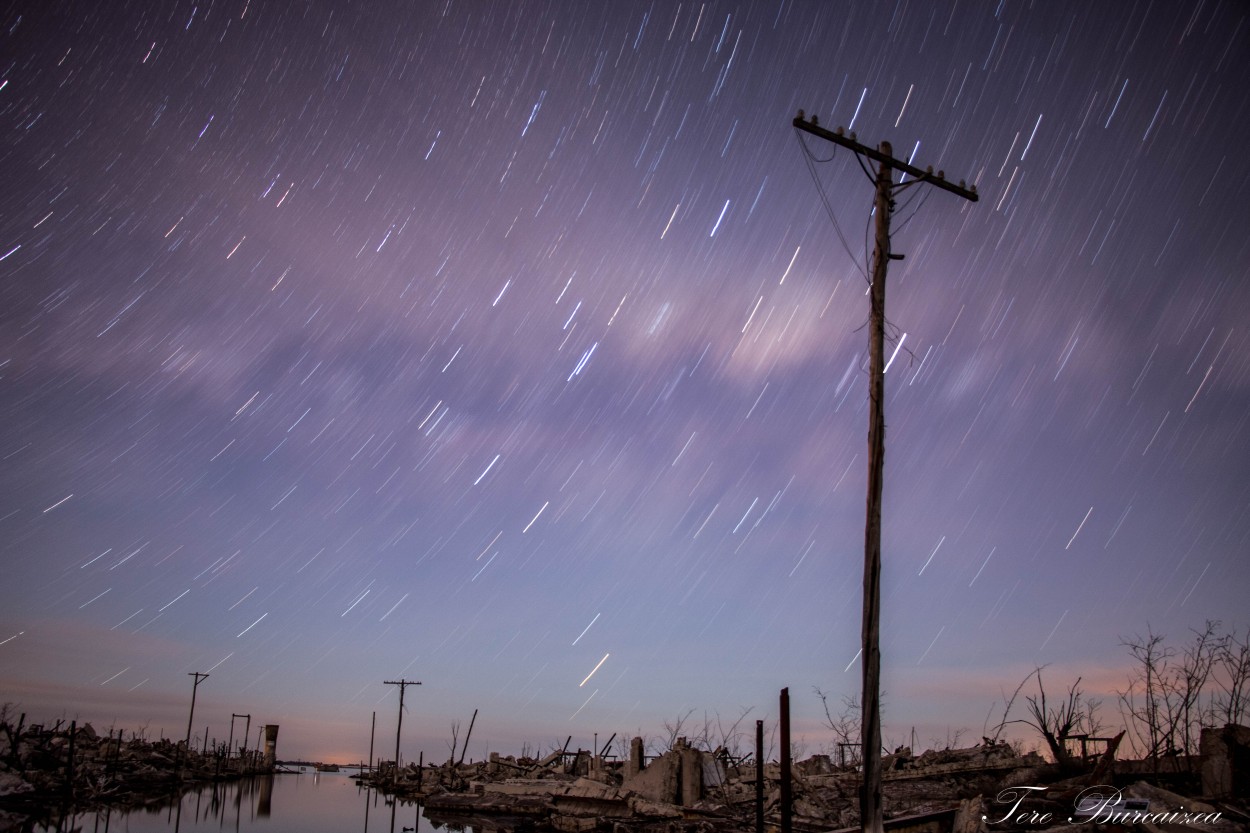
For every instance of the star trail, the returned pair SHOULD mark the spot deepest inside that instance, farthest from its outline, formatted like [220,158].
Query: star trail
[499,343]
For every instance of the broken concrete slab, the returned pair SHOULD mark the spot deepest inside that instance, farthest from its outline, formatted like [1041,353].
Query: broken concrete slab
[971,816]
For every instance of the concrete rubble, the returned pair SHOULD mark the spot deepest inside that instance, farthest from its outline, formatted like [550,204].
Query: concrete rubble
[690,789]
[684,790]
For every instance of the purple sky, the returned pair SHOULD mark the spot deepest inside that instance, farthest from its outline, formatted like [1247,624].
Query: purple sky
[489,344]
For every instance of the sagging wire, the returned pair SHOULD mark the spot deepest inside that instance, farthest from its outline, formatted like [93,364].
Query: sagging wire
[927,191]
[809,159]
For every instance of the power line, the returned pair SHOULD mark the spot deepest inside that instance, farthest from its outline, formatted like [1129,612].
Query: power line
[809,159]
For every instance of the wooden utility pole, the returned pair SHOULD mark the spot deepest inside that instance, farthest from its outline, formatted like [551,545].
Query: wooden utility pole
[759,776]
[246,730]
[69,763]
[372,727]
[467,735]
[403,685]
[199,678]
[787,795]
[871,819]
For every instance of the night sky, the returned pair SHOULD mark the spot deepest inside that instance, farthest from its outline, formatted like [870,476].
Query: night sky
[511,348]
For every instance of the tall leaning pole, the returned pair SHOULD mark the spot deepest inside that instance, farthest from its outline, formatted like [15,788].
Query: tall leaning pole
[199,678]
[871,819]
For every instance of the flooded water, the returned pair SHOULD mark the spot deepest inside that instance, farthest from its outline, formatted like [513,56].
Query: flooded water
[309,802]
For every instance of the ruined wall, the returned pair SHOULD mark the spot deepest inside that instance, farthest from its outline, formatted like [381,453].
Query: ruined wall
[658,781]
[271,745]
[676,777]
[1226,761]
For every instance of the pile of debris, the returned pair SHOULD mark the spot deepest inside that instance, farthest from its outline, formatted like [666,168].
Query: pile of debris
[689,789]
[42,766]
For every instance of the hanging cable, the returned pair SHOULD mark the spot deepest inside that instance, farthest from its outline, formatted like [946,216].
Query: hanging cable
[910,216]
[809,159]
[867,172]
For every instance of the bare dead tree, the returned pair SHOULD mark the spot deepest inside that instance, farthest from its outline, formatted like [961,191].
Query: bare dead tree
[13,735]
[674,730]
[1075,714]
[730,739]
[701,737]
[1140,702]
[1189,681]
[845,727]
[623,744]
[1232,676]
[1008,702]
[1169,697]
[953,737]
[453,743]
[1058,723]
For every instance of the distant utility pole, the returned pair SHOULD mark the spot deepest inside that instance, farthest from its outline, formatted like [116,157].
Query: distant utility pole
[246,730]
[871,819]
[373,725]
[199,678]
[403,684]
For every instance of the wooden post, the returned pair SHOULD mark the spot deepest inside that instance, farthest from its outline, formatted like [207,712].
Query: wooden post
[372,728]
[759,776]
[108,756]
[69,765]
[467,735]
[787,818]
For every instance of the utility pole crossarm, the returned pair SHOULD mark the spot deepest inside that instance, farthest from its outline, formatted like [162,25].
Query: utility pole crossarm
[926,175]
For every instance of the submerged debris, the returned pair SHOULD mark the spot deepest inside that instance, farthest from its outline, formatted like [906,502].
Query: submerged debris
[68,764]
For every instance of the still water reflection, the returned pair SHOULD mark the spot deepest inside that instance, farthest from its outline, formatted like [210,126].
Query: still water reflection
[309,802]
